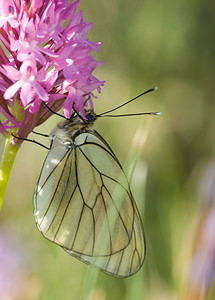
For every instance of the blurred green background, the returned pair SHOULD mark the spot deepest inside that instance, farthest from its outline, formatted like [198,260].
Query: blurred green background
[169,44]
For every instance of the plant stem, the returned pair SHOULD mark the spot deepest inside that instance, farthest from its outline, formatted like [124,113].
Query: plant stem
[6,164]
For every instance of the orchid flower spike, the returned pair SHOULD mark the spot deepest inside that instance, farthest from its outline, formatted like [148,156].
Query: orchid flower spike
[41,59]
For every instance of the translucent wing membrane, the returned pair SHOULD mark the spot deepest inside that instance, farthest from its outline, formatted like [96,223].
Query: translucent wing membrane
[83,203]
[123,263]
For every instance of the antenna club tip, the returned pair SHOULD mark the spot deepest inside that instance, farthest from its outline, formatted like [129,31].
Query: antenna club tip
[159,113]
[155,88]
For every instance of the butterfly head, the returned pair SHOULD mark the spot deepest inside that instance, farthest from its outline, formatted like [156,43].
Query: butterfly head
[77,118]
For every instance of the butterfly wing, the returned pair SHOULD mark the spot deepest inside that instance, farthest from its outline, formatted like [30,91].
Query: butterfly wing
[84,204]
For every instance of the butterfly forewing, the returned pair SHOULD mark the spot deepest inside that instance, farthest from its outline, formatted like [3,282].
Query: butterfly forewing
[83,203]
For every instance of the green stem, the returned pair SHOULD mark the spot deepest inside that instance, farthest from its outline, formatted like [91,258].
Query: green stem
[89,282]
[6,164]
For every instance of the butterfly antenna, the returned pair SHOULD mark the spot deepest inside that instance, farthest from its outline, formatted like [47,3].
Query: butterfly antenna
[127,102]
[156,113]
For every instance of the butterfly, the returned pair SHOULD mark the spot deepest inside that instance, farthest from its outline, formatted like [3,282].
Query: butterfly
[83,201]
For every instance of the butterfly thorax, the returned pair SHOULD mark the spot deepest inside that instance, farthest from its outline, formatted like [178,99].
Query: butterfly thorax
[67,130]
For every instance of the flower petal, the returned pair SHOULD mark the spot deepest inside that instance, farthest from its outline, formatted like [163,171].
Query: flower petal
[10,92]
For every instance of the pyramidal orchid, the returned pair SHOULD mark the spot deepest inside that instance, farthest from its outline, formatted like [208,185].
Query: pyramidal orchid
[45,56]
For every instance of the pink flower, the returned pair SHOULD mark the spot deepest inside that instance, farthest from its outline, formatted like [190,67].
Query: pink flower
[27,83]
[44,61]
[8,13]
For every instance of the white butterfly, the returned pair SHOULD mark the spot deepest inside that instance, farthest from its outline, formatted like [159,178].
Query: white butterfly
[83,201]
